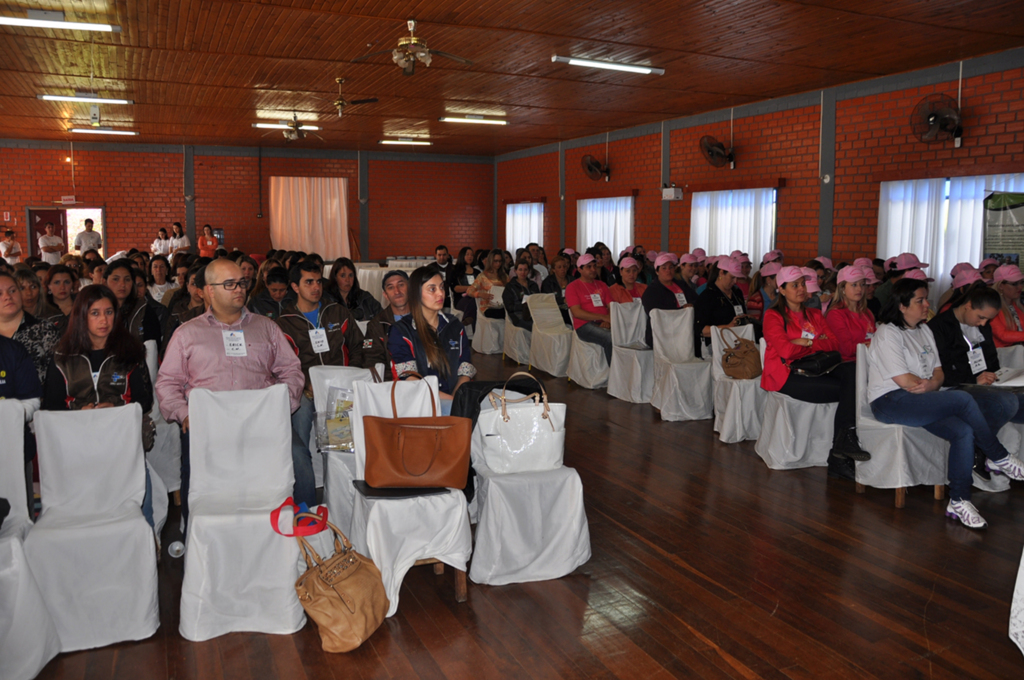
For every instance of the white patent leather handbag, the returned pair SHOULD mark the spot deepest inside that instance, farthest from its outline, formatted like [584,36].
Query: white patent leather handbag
[520,435]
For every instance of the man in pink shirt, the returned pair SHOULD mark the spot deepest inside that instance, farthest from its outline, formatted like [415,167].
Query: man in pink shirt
[588,299]
[227,348]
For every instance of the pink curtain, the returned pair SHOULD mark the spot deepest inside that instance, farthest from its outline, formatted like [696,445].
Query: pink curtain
[310,214]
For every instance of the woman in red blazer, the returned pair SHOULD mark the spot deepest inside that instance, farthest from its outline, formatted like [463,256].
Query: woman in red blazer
[793,331]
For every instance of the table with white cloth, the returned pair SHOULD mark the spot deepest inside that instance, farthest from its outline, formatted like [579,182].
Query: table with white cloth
[1017,609]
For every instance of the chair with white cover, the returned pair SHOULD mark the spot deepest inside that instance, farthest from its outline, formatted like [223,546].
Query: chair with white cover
[28,636]
[551,341]
[91,551]
[588,365]
[794,433]
[489,334]
[1011,357]
[400,533]
[239,573]
[739,404]
[532,525]
[901,456]
[517,342]
[631,373]
[682,382]
[165,457]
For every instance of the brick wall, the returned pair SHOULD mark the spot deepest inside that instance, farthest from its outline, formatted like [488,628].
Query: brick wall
[531,178]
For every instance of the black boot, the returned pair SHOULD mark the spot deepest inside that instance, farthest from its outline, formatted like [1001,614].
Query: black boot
[849,446]
[841,468]
[979,464]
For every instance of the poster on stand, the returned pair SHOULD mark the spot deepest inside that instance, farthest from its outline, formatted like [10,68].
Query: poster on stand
[1004,227]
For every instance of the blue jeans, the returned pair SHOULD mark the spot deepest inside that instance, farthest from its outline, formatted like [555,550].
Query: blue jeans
[594,334]
[304,490]
[997,404]
[147,500]
[952,415]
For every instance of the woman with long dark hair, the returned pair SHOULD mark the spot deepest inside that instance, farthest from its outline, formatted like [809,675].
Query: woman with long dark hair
[429,341]
[459,278]
[140,320]
[344,287]
[61,288]
[160,280]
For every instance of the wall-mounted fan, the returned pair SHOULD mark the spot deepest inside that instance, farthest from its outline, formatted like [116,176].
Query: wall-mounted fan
[410,50]
[936,118]
[714,152]
[593,168]
[340,103]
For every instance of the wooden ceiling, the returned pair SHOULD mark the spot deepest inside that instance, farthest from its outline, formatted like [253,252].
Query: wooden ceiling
[202,71]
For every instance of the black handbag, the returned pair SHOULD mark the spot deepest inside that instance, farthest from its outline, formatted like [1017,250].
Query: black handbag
[816,365]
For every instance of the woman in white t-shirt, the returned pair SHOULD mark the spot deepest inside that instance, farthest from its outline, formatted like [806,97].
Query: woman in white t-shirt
[905,388]
[179,242]
[161,245]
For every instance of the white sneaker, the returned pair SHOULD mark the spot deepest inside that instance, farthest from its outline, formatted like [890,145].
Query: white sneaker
[1010,466]
[966,513]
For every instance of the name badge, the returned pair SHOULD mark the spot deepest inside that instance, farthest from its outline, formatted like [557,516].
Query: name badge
[680,299]
[595,298]
[738,309]
[807,335]
[977,360]
[234,343]
[318,336]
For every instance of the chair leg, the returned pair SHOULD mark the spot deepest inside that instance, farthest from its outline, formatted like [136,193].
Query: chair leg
[177,498]
[940,491]
[858,487]
[460,586]
[439,568]
[901,496]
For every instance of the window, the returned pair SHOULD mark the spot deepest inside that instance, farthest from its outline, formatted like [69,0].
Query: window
[608,220]
[942,221]
[524,223]
[741,219]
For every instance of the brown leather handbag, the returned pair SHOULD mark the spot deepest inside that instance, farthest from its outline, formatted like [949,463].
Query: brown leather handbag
[417,452]
[343,594]
[742,361]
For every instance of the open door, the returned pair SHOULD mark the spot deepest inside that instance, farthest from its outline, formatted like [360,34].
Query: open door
[37,220]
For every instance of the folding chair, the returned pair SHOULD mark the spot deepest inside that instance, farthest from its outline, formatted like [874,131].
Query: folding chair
[631,374]
[739,404]
[682,382]
[516,343]
[588,365]
[552,339]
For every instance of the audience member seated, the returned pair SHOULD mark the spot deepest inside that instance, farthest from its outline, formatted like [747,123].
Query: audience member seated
[61,288]
[271,300]
[38,337]
[428,341]
[540,261]
[588,299]
[31,301]
[964,280]
[721,304]
[849,319]
[628,289]
[516,291]
[1006,326]
[137,316]
[793,331]
[98,364]
[159,281]
[492,275]
[557,281]
[227,348]
[987,269]
[666,292]
[743,280]
[905,380]
[895,269]
[459,278]
[375,341]
[765,289]
[344,287]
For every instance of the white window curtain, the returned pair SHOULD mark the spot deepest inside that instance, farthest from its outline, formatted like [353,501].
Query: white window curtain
[310,214]
[524,223]
[741,219]
[608,220]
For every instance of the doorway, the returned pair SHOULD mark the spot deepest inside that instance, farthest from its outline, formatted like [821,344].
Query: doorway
[67,224]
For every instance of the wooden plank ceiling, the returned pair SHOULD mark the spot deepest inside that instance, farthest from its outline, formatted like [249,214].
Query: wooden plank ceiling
[202,71]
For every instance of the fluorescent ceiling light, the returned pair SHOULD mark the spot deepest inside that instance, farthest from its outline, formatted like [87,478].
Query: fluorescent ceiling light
[83,98]
[102,131]
[406,141]
[470,118]
[610,65]
[42,19]
[281,126]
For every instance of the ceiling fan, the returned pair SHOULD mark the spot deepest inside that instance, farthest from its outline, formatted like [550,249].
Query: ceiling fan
[291,129]
[410,50]
[340,103]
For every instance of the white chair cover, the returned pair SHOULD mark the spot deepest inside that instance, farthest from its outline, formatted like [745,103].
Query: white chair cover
[739,404]
[339,467]
[794,434]
[1017,609]
[631,373]
[588,366]
[165,457]
[900,456]
[1011,357]
[489,336]
[682,382]
[532,525]
[239,573]
[552,339]
[12,469]
[92,552]
[397,532]
[516,344]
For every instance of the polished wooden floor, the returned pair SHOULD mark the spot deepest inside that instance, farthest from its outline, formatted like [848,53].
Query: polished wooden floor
[705,565]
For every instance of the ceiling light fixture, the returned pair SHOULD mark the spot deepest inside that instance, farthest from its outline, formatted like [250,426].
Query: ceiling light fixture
[103,131]
[610,65]
[471,118]
[83,98]
[405,141]
[55,20]
[281,126]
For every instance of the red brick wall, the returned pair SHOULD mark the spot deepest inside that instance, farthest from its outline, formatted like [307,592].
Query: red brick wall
[529,178]
[414,207]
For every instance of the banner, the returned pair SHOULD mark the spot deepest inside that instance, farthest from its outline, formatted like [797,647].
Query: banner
[1004,227]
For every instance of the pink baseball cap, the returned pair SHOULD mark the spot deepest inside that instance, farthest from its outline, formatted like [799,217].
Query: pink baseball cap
[864,262]
[675,258]
[568,251]
[771,256]
[851,273]
[907,261]
[712,259]
[988,262]
[771,269]
[966,277]
[917,275]
[825,261]
[1007,272]
[663,259]
[789,275]
[888,266]
[812,280]
[625,251]
[959,267]
[585,260]
[687,258]
[731,265]
[628,262]
[700,254]
[652,255]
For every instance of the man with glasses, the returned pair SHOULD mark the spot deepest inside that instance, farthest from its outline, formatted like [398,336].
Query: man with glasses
[226,348]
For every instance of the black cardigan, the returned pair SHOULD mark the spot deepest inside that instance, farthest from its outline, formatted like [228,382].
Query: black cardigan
[952,348]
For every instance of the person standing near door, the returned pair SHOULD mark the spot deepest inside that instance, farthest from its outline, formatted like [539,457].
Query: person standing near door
[51,247]
[10,249]
[88,239]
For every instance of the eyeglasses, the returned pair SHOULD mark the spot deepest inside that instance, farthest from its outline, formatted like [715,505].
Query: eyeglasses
[231,285]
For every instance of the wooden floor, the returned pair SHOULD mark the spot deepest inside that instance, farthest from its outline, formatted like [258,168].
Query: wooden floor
[705,565]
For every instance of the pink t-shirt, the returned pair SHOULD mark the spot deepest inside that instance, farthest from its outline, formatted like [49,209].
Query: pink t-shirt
[581,293]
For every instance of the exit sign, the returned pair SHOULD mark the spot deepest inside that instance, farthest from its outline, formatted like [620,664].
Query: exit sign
[7,217]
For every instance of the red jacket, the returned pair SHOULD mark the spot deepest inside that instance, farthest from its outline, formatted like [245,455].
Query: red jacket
[850,329]
[780,349]
[1003,332]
